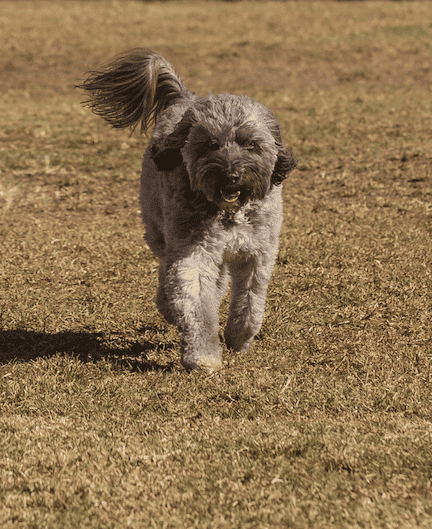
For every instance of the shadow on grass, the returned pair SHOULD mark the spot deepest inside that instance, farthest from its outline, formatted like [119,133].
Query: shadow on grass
[23,346]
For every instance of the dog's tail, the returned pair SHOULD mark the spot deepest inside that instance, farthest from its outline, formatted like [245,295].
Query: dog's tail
[135,88]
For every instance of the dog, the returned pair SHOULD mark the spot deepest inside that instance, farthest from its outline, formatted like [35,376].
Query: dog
[211,197]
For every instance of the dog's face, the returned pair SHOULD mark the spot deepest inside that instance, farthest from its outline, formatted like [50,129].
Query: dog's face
[231,147]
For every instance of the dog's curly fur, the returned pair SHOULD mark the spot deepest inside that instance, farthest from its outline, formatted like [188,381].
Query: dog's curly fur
[210,196]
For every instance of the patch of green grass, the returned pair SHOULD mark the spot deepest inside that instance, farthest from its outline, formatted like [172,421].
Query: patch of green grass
[326,421]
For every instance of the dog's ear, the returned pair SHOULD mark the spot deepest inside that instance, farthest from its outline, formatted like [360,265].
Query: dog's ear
[285,163]
[167,153]
[165,158]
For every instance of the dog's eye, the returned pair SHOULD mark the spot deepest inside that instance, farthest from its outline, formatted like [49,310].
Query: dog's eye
[251,145]
[213,145]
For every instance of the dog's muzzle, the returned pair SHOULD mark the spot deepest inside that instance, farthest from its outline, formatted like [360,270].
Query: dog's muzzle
[231,187]
[230,191]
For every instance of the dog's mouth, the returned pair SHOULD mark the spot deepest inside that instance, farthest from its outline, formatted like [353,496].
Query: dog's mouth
[230,196]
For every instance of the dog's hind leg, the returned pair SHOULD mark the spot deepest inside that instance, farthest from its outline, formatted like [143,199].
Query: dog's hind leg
[161,298]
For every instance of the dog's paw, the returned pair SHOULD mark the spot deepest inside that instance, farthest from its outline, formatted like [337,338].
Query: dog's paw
[206,362]
[238,341]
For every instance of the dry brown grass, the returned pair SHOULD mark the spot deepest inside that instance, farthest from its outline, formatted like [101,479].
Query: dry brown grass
[326,422]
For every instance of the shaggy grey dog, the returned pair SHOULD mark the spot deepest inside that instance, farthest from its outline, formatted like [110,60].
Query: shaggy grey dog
[210,196]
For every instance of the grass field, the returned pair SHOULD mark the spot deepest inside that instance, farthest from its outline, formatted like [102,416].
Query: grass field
[327,421]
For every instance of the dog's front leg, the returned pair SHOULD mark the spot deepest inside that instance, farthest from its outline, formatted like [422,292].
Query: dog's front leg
[250,279]
[193,291]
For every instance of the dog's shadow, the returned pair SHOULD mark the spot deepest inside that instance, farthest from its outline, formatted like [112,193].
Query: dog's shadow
[24,346]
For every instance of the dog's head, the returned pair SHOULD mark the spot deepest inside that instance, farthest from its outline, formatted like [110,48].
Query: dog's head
[231,147]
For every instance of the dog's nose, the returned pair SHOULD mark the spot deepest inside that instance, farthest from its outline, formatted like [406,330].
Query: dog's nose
[234,177]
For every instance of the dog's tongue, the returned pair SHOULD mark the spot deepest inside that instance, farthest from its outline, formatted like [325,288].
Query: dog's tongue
[230,197]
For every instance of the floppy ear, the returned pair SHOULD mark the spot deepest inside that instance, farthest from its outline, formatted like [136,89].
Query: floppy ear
[166,159]
[167,153]
[285,163]
[285,159]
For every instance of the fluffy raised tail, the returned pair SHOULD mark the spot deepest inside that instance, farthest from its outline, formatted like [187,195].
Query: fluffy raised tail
[135,88]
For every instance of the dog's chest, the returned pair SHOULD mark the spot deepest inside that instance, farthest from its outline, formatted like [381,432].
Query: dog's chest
[238,238]
[246,232]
